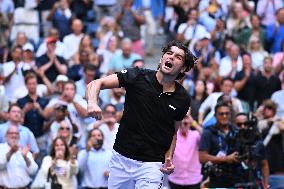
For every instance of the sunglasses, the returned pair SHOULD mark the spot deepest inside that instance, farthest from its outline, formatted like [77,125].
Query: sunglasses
[110,112]
[223,113]
[241,123]
[65,128]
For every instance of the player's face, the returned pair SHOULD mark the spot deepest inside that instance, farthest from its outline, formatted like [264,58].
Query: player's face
[172,62]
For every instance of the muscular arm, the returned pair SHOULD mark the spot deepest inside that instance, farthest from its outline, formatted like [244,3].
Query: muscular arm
[93,90]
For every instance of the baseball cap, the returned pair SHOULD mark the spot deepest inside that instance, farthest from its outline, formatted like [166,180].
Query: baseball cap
[28,47]
[51,40]
[61,78]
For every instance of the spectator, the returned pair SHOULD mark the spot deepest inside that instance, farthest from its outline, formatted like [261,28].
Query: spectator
[16,162]
[218,35]
[61,16]
[257,53]
[271,130]
[266,10]
[60,163]
[231,63]
[32,106]
[90,73]
[124,59]
[278,61]
[85,45]
[27,138]
[72,40]
[59,47]
[245,84]
[190,30]
[106,54]
[211,11]
[238,19]
[255,31]
[108,125]
[69,132]
[276,29]
[104,8]
[266,82]
[51,64]
[130,20]
[199,95]
[95,155]
[57,87]
[13,75]
[186,158]
[277,98]
[211,101]
[76,105]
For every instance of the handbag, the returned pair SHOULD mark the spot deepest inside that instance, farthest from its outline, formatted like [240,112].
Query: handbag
[52,181]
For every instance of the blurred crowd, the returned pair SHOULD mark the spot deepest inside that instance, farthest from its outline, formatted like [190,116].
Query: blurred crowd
[51,49]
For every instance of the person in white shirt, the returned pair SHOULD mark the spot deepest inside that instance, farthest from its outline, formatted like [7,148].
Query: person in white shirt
[72,40]
[108,125]
[13,72]
[76,106]
[16,164]
[190,30]
[211,101]
[232,63]
[60,49]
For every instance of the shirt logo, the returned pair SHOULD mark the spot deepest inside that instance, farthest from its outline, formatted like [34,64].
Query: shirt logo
[123,71]
[172,107]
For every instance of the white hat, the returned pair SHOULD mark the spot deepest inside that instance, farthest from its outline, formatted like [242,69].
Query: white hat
[61,78]
[205,35]
[28,47]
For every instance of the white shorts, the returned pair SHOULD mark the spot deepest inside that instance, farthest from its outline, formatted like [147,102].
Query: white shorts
[126,173]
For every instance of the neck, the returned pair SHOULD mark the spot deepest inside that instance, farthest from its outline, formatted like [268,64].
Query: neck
[110,126]
[198,96]
[14,123]
[33,96]
[167,82]
[224,128]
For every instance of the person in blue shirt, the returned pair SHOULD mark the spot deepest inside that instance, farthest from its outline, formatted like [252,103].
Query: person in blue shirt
[26,136]
[275,32]
[94,161]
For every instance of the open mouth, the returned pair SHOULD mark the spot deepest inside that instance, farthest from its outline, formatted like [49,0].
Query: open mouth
[168,64]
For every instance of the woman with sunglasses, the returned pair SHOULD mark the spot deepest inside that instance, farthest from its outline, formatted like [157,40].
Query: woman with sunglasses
[59,164]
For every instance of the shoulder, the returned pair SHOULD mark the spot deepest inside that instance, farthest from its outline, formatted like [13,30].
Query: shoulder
[182,91]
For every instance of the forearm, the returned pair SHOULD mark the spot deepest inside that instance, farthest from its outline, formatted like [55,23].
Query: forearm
[265,172]
[240,84]
[204,157]
[81,111]
[93,91]
[62,69]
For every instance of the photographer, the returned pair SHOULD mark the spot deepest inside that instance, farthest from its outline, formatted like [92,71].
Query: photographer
[252,150]
[272,131]
[214,148]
